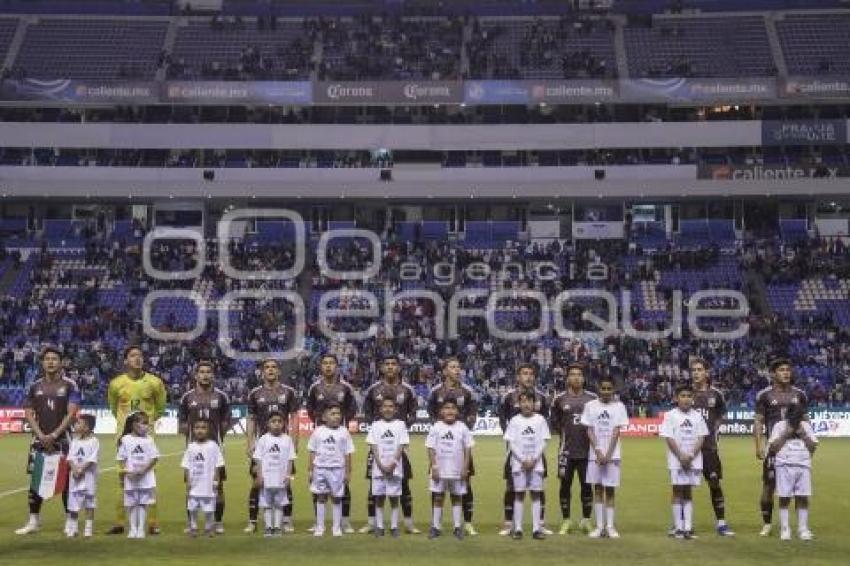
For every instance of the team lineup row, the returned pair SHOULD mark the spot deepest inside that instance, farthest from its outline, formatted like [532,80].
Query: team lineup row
[589,448]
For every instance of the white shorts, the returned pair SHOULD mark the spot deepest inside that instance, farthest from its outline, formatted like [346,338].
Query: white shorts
[388,486]
[686,477]
[202,504]
[273,497]
[527,481]
[607,475]
[328,481]
[135,497]
[79,500]
[793,481]
[454,487]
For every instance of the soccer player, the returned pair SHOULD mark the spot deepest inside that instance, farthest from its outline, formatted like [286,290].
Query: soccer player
[391,387]
[82,487]
[330,449]
[449,445]
[272,396]
[792,444]
[274,454]
[574,447]
[711,404]
[509,407]
[329,388]
[388,440]
[51,403]
[203,464]
[771,405]
[684,430]
[210,404]
[135,390]
[451,389]
[526,435]
[603,418]
[137,456]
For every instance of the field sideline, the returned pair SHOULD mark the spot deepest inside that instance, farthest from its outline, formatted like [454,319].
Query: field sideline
[643,515]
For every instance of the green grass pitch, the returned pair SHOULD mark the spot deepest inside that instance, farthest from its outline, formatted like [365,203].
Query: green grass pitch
[643,515]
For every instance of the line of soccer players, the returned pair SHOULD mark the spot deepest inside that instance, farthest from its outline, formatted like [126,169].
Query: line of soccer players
[588,425]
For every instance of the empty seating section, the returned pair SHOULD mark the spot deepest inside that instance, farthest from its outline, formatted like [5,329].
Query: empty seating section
[542,49]
[820,296]
[793,229]
[698,233]
[202,52]
[816,44]
[8,26]
[700,47]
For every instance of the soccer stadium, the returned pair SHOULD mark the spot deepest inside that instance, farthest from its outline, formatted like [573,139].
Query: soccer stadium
[422,282]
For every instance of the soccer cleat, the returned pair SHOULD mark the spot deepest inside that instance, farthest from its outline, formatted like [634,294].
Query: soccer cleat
[785,534]
[516,535]
[678,534]
[507,529]
[87,533]
[116,530]
[458,533]
[805,534]
[193,533]
[765,530]
[288,527]
[538,535]
[338,532]
[566,527]
[311,528]
[470,530]
[219,528]
[725,531]
[250,528]
[70,534]
[379,532]
[412,530]
[277,533]
[28,529]
[366,529]
[689,535]
[546,531]
[596,533]
[347,528]
[612,532]
[433,533]
[154,530]
[186,530]
[318,532]
[394,533]
[585,526]
[268,532]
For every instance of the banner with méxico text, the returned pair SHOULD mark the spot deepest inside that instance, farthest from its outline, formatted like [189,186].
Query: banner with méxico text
[803,132]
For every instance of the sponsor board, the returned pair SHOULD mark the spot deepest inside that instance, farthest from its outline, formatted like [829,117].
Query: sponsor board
[803,132]
[814,88]
[770,172]
[387,92]
[226,92]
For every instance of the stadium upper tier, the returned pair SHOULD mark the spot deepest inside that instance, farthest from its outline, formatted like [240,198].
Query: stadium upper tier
[425,48]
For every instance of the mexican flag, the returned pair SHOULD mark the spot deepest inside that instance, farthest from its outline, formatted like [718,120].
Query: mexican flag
[49,474]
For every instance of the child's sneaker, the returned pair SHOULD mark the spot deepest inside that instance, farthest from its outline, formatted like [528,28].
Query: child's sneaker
[612,532]
[338,532]
[785,534]
[596,533]
[516,535]
[318,531]
[806,534]
[458,533]
[268,533]
[394,533]
[765,530]
[566,527]
[379,532]
[433,533]
[538,535]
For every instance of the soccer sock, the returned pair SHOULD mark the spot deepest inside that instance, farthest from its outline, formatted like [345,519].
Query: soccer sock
[346,503]
[783,518]
[767,512]
[70,524]
[253,504]
[437,519]
[718,502]
[542,505]
[586,500]
[609,516]
[35,502]
[564,498]
[268,519]
[406,501]
[219,511]
[457,515]
[394,517]
[142,518]
[278,517]
[131,514]
[468,502]
[677,514]
[379,516]
[208,520]
[193,520]
[536,514]
[509,503]
[89,525]
[600,515]
[802,519]
[517,508]
[320,516]
[337,515]
[688,514]
[287,509]
[370,507]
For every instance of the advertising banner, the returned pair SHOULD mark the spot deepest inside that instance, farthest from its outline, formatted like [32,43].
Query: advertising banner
[809,88]
[683,90]
[770,172]
[83,92]
[227,92]
[803,132]
[598,230]
[642,427]
[413,93]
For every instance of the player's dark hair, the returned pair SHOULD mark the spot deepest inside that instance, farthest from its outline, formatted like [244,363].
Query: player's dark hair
[606,379]
[684,386]
[390,399]
[525,395]
[50,348]
[332,405]
[702,362]
[132,418]
[449,360]
[329,355]
[778,362]
[130,348]
[575,366]
[523,366]
[390,356]
[275,361]
[207,363]
[201,420]
[451,402]
[90,420]
[277,414]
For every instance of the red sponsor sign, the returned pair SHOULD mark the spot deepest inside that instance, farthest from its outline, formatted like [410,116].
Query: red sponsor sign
[642,427]
[12,419]
[306,426]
